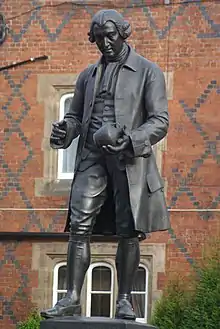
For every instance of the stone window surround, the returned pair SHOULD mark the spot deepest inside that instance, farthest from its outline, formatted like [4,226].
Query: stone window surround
[50,88]
[45,256]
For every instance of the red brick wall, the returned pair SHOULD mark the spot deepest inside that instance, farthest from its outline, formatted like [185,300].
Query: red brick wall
[182,38]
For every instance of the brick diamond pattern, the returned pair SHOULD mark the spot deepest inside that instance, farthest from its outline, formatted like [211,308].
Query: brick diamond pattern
[13,263]
[15,127]
[210,149]
[13,266]
[214,27]
[160,33]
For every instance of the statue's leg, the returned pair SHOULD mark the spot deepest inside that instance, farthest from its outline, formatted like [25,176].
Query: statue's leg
[78,261]
[128,252]
[127,262]
[87,197]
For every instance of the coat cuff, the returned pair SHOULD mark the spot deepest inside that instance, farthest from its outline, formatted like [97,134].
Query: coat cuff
[141,146]
[73,130]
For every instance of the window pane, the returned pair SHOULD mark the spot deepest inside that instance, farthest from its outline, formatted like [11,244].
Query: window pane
[61,295]
[138,302]
[140,280]
[101,279]
[100,305]
[62,278]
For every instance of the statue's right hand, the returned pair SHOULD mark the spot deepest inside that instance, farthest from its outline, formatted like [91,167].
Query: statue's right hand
[58,134]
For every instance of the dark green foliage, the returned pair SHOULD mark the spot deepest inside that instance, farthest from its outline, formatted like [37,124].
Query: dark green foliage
[169,310]
[204,310]
[32,322]
[197,307]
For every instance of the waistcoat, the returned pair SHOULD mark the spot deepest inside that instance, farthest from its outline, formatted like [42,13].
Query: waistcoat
[103,110]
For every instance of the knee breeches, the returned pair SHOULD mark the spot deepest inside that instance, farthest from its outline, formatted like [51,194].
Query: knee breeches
[89,193]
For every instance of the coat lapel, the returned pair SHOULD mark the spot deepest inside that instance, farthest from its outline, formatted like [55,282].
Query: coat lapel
[123,95]
[126,90]
[91,90]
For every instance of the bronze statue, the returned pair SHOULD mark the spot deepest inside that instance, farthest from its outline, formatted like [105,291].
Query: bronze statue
[119,109]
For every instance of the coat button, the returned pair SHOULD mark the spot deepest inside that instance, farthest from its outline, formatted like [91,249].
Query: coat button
[105,119]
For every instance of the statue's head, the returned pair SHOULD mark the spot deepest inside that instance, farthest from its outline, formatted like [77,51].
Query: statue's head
[109,31]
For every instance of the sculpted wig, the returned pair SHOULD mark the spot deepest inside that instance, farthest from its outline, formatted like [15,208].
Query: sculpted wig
[106,15]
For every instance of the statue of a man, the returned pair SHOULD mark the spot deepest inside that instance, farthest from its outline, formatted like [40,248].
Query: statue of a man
[119,110]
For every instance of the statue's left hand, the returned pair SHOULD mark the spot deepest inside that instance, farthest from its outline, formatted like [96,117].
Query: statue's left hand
[123,144]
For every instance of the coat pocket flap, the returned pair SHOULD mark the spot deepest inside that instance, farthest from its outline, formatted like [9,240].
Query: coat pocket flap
[154,183]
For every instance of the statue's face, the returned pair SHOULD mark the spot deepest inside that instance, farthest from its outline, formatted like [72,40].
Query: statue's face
[108,40]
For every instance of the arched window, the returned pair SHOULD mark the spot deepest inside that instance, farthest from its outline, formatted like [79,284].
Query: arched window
[140,293]
[66,158]
[100,288]
[59,282]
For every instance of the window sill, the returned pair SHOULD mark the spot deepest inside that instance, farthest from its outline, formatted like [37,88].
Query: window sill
[49,187]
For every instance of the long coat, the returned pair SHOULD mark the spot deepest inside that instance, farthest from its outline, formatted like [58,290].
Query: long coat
[141,106]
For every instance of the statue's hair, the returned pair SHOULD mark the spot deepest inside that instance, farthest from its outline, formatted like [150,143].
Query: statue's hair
[106,15]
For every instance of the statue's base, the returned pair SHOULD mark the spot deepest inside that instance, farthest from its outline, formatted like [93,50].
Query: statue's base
[78,322]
